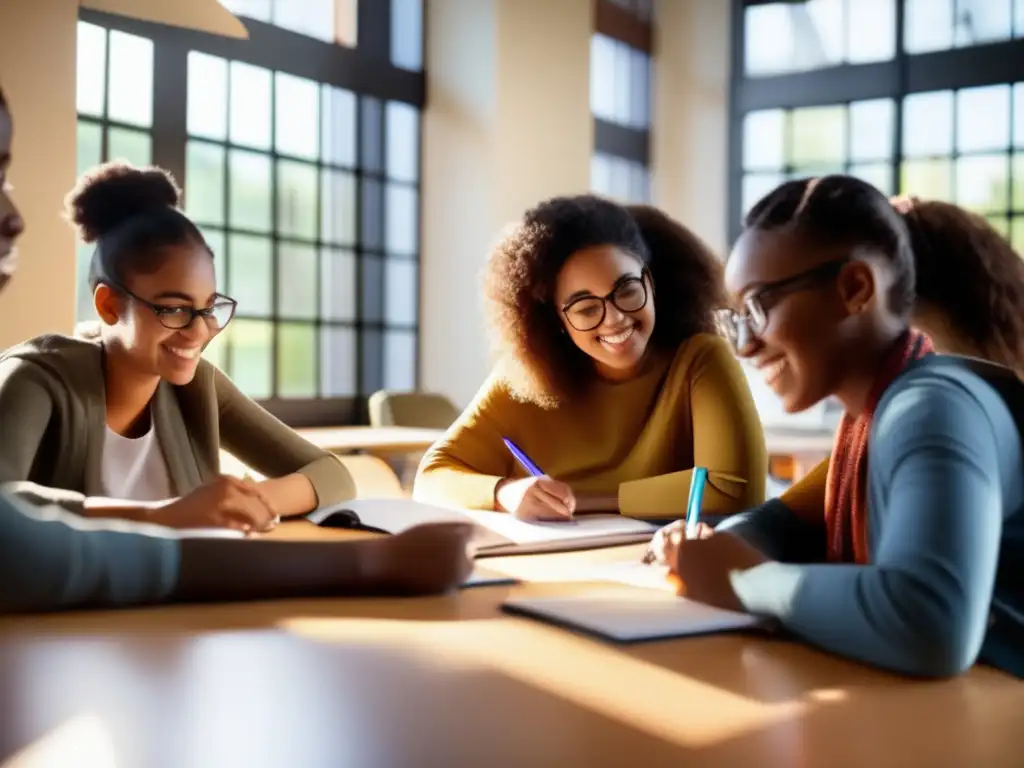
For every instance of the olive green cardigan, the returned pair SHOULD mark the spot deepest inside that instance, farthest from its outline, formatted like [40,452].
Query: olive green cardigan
[53,416]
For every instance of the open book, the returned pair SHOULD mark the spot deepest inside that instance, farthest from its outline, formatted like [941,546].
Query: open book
[632,615]
[498,533]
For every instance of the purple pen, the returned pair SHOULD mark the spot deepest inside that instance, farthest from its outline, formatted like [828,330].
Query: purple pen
[522,458]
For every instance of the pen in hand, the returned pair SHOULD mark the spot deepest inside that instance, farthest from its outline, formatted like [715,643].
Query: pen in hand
[693,526]
[539,495]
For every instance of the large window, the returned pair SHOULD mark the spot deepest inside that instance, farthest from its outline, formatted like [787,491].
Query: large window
[924,97]
[620,98]
[299,158]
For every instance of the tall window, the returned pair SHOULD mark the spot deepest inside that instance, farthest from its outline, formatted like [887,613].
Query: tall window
[923,97]
[299,158]
[620,97]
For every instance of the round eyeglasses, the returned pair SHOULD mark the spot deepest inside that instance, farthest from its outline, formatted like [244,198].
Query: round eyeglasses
[588,312]
[178,318]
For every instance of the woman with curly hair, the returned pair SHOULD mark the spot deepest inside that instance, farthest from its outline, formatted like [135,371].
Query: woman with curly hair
[610,376]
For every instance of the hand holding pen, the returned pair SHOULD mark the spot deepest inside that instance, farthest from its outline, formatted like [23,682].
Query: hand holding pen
[537,498]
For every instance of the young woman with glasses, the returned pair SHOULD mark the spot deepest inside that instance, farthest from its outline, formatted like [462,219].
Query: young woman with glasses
[129,421]
[611,378]
[908,554]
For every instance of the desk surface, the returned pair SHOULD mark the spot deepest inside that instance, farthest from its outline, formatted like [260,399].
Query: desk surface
[451,681]
[372,439]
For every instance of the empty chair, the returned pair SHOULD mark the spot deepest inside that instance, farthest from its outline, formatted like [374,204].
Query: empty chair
[423,410]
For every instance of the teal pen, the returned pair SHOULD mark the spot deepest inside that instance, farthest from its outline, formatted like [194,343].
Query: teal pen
[693,504]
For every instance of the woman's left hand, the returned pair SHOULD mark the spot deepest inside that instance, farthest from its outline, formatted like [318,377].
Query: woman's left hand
[703,566]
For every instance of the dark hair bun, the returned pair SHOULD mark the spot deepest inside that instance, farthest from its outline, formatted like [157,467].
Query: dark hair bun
[112,193]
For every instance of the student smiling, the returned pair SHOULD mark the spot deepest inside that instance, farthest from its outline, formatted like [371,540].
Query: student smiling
[122,421]
[611,378]
[908,556]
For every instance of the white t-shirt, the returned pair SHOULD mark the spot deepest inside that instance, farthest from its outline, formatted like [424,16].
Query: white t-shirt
[134,468]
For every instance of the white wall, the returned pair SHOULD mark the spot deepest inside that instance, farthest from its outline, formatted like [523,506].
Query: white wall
[507,124]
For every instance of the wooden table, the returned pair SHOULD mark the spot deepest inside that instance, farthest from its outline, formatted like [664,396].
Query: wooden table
[451,681]
[379,441]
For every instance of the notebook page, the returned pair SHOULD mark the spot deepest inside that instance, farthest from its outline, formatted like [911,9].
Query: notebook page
[632,615]
[580,527]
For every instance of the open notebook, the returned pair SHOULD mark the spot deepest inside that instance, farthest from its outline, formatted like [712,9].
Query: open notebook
[632,615]
[498,533]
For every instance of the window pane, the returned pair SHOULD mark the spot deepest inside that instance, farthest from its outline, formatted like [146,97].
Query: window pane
[406,33]
[1017,235]
[371,343]
[254,9]
[871,129]
[871,30]
[296,360]
[790,37]
[251,367]
[928,124]
[600,174]
[250,105]
[296,281]
[1018,182]
[337,284]
[204,182]
[297,117]
[401,292]
[207,96]
[878,174]
[215,240]
[249,184]
[602,76]
[623,85]
[372,293]
[371,151]
[250,264]
[639,183]
[639,88]
[84,307]
[402,221]
[337,361]
[403,141]
[314,18]
[817,136]
[983,118]
[89,147]
[400,360]
[338,110]
[927,178]
[338,207]
[928,25]
[1000,224]
[131,79]
[373,214]
[764,139]
[982,21]
[91,69]
[982,183]
[296,199]
[1018,18]
[756,186]
[134,146]
[1018,113]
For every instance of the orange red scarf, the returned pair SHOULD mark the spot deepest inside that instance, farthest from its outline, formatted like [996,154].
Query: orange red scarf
[846,500]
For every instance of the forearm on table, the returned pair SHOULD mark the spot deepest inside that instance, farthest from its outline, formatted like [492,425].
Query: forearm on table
[226,569]
[290,495]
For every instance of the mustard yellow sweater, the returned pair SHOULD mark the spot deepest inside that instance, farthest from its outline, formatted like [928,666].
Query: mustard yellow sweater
[639,438]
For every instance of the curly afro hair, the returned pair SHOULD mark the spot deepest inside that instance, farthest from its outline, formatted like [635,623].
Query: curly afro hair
[539,362]
[132,216]
[971,275]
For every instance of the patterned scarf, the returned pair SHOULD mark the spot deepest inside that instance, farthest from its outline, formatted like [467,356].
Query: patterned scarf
[846,502]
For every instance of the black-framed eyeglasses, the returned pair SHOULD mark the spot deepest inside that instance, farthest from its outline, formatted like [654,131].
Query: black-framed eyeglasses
[588,312]
[740,327]
[178,318]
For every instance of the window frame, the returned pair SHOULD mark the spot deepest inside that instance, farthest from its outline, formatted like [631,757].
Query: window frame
[625,26]
[365,70]
[996,63]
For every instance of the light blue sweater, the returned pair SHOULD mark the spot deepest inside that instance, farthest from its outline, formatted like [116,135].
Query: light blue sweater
[51,559]
[945,586]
